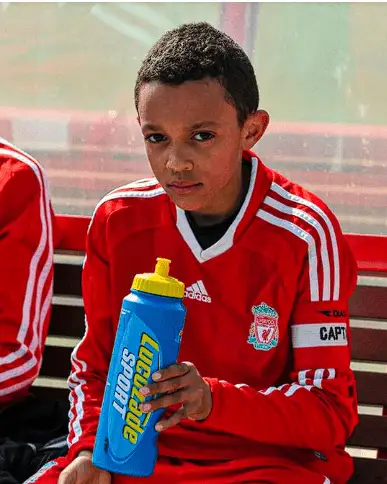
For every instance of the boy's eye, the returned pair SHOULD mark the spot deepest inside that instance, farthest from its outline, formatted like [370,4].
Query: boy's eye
[203,136]
[155,138]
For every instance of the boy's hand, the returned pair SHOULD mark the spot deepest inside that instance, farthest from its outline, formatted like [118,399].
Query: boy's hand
[179,383]
[82,471]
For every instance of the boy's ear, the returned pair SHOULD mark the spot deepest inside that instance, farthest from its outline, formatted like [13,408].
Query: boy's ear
[254,128]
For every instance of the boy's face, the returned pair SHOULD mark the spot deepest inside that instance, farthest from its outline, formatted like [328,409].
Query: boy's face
[194,143]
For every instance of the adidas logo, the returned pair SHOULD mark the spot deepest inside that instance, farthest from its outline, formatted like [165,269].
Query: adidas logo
[197,291]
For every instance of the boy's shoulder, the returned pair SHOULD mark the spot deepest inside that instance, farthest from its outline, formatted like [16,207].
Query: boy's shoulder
[299,222]
[295,200]
[142,199]
[19,172]
[131,194]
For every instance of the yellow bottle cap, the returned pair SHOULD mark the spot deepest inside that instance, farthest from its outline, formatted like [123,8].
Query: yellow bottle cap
[159,282]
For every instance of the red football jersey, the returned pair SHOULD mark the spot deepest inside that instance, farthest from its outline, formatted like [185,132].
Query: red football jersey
[267,321]
[26,262]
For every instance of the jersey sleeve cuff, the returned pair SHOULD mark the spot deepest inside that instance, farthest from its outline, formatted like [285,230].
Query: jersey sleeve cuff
[86,443]
[212,421]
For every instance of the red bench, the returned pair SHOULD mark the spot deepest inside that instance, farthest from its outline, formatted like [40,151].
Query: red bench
[368,309]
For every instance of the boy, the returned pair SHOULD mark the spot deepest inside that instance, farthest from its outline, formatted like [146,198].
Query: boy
[263,392]
[26,253]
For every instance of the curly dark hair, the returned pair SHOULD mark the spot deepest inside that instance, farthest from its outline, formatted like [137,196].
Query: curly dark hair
[197,51]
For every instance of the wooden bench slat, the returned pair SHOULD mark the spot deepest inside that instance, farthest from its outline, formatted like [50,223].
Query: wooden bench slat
[371,387]
[369,471]
[371,432]
[369,302]
[56,362]
[67,279]
[67,321]
[369,344]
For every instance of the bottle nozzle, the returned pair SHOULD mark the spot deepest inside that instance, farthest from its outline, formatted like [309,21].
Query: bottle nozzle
[162,267]
[159,282]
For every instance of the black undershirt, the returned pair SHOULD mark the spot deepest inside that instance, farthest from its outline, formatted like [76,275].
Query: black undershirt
[208,235]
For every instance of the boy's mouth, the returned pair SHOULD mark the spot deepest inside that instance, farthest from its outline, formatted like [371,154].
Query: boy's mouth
[183,188]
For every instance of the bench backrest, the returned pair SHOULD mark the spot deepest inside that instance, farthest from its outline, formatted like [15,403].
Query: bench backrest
[368,309]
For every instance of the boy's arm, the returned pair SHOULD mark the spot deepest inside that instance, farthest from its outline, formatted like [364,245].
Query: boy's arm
[26,262]
[317,408]
[91,358]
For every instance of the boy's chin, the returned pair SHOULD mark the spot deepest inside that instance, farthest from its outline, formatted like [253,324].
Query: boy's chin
[188,205]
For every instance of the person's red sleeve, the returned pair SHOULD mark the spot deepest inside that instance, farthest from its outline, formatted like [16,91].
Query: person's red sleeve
[317,408]
[26,274]
[91,358]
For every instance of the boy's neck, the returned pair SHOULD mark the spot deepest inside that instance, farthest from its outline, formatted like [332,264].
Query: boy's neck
[203,220]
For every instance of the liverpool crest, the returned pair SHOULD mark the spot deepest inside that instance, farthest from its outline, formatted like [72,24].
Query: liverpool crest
[264,332]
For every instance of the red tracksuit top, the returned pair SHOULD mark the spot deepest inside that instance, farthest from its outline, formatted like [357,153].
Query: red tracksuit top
[26,270]
[267,321]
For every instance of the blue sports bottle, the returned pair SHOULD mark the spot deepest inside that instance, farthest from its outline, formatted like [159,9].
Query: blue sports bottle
[148,338]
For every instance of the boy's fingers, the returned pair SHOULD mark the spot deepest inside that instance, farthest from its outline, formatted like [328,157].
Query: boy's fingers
[178,369]
[171,421]
[167,386]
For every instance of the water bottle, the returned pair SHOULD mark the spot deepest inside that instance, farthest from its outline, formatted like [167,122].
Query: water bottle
[148,338]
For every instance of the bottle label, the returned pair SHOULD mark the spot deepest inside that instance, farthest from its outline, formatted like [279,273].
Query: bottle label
[137,363]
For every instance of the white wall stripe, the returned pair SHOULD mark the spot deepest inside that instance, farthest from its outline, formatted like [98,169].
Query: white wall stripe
[316,224]
[307,203]
[306,237]
[32,132]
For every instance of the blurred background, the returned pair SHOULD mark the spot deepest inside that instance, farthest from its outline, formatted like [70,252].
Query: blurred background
[68,72]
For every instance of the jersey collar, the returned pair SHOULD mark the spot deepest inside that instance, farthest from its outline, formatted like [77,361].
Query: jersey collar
[259,184]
